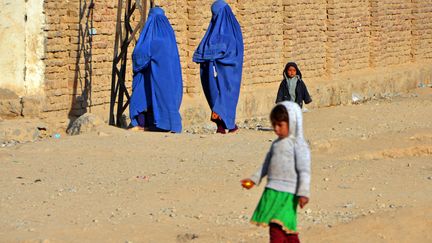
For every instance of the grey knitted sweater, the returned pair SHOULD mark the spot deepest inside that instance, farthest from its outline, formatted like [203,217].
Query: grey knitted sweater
[288,162]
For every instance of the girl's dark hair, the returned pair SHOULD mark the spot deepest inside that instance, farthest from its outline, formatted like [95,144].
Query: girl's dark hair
[279,114]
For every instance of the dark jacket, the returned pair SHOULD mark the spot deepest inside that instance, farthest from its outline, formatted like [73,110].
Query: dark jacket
[302,94]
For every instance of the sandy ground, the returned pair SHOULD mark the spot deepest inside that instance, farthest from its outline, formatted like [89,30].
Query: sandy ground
[371,181]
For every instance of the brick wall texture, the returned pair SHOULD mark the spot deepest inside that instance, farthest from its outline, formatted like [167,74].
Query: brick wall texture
[327,38]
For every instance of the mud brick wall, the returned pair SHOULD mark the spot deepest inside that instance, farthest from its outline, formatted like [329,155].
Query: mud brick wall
[348,35]
[197,23]
[391,32]
[332,41]
[305,36]
[78,71]
[421,30]
[262,26]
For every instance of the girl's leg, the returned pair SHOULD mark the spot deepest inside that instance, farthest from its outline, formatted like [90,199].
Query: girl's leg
[292,238]
[277,235]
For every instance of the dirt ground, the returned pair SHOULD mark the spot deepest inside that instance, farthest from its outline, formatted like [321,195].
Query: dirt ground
[371,181]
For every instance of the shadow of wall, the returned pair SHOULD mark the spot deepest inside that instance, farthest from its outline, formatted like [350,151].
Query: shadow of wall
[81,102]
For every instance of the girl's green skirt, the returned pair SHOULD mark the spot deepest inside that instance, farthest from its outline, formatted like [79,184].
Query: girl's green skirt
[277,207]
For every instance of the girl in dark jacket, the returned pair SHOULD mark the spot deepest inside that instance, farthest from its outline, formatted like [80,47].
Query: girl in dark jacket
[292,87]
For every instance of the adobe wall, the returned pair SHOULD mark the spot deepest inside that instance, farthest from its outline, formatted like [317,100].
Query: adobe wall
[21,57]
[372,48]
[21,46]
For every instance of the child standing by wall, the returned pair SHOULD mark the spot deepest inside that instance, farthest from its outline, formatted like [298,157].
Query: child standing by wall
[288,170]
[292,87]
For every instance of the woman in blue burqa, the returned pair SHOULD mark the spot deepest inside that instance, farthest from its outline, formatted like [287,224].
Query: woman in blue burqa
[220,55]
[157,87]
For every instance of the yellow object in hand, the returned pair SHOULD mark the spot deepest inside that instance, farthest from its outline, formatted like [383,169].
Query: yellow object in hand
[247,183]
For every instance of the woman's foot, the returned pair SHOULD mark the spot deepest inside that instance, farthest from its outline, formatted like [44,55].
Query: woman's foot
[235,129]
[136,128]
[220,129]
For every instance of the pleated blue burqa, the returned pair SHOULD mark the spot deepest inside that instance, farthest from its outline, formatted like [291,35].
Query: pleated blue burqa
[220,55]
[157,79]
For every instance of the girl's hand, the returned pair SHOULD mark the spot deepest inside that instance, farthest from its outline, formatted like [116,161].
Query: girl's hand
[302,201]
[247,183]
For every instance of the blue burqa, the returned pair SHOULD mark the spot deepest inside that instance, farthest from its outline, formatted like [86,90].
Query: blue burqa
[220,55]
[157,82]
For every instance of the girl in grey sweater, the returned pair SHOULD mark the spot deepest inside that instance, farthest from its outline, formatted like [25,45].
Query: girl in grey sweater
[287,167]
